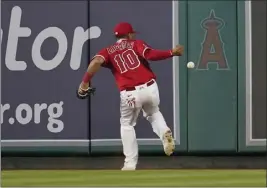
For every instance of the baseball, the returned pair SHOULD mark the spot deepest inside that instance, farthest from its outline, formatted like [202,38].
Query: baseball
[190,65]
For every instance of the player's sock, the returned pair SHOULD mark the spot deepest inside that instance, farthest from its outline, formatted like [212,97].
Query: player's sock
[129,142]
[158,124]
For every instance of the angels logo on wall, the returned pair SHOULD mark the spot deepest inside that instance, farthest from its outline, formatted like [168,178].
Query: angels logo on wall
[212,46]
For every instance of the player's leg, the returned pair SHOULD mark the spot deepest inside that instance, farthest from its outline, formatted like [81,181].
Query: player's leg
[152,113]
[159,126]
[128,136]
[129,115]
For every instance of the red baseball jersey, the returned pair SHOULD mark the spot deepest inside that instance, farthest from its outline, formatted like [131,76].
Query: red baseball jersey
[126,60]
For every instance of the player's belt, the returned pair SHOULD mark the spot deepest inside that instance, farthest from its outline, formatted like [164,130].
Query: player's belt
[133,88]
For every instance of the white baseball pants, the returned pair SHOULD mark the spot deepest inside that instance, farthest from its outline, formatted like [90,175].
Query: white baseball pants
[145,98]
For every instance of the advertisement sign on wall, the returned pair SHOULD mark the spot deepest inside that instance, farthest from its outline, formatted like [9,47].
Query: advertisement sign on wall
[255,73]
[42,62]
[45,55]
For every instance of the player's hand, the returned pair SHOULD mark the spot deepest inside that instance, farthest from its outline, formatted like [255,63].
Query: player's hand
[84,91]
[178,50]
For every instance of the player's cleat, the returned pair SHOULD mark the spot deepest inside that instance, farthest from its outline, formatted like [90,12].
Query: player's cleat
[128,167]
[168,143]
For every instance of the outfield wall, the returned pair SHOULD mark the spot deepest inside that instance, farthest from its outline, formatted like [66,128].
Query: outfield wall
[220,106]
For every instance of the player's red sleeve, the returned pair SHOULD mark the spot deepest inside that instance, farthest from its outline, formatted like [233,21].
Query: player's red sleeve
[152,54]
[103,54]
[156,55]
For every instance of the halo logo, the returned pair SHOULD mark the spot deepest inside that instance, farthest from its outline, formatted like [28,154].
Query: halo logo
[16,32]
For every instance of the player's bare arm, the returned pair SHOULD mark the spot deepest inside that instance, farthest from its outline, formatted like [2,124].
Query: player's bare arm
[93,67]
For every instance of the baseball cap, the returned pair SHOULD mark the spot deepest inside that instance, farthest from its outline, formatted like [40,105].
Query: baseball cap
[123,28]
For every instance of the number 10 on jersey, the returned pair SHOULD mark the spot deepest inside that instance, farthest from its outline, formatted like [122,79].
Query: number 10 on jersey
[128,60]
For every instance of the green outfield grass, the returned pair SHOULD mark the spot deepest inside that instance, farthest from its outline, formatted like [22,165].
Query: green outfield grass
[135,178]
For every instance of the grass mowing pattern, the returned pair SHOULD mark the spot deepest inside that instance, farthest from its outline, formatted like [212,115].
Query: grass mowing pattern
[134,178]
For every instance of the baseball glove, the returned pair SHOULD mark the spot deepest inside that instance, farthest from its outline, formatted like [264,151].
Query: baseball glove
[83,94]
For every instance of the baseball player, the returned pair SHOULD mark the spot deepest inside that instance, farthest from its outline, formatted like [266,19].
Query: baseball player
[128,61]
